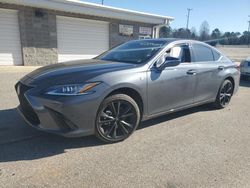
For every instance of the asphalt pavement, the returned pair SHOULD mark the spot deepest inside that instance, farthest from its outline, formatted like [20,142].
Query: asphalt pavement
[199,147]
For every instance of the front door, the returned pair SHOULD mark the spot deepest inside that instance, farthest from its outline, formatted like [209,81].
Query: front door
[172,87]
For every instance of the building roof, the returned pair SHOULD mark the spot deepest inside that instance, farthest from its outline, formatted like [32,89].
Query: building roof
[80,7]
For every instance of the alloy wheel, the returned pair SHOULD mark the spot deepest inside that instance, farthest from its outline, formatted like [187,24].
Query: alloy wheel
[226,93]
[117,120]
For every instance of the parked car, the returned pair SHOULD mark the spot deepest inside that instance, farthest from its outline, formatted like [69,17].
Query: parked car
[245,68]
[111,94]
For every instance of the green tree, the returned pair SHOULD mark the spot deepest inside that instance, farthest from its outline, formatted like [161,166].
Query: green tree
[181,33]
[165,32]
[225,38]
[231,38]
[215,37]
[243,39]
[216,34]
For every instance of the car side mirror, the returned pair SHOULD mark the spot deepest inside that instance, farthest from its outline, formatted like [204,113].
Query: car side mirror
[167,62]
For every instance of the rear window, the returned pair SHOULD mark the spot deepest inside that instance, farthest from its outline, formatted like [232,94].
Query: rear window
[216,55]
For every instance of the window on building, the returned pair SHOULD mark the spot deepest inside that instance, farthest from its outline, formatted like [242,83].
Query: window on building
[141,37]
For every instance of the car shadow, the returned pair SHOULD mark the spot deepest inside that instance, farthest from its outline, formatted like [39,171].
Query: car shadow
[18,141]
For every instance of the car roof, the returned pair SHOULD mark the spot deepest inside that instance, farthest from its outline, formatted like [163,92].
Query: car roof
[167,40]
[177,40]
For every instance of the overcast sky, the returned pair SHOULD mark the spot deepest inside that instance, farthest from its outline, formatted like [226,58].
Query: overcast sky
[227,15]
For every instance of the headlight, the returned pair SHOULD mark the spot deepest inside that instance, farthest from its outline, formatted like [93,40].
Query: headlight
[72,89]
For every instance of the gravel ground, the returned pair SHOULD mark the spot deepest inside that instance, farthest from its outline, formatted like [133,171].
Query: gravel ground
[199,147]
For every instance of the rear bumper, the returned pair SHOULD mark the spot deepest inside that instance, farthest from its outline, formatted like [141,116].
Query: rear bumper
[66,116]
[237,83]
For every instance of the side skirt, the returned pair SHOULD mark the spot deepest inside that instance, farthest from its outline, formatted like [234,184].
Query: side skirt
[147,117]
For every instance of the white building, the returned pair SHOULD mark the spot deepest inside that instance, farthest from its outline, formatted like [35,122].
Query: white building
[40,32]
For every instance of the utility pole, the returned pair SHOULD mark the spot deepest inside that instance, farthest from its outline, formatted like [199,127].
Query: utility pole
[189,9]
[248,38]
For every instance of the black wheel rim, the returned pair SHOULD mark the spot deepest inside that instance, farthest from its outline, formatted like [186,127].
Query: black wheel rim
[226,94]
[117,120]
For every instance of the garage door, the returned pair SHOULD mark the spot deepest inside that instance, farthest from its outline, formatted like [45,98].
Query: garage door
[81,38]
[10,47]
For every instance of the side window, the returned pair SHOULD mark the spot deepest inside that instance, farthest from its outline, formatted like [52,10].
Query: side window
[186,56]
[216,55]
[182,52]
[202,53]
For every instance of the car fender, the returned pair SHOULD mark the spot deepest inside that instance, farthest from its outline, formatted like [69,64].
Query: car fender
[140,91]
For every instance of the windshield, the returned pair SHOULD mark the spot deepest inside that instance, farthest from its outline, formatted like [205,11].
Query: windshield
[135,52]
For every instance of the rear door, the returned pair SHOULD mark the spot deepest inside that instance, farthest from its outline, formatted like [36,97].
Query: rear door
[208,72]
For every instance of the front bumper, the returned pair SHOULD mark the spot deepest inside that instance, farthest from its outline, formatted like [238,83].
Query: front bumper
[67,116]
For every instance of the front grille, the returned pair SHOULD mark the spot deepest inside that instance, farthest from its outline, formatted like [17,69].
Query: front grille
[25,107]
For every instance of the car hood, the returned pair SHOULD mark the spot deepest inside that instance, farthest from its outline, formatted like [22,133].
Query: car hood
[73,72]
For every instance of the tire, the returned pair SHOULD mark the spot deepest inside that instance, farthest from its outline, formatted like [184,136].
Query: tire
[117,118]
[224,94]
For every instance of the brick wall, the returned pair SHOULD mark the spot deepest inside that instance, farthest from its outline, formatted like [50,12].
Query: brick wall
[38,37]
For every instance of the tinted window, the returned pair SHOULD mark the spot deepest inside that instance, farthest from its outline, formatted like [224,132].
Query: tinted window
[135,52]
[183,54]
[216,55]
[202,53]
[186,57]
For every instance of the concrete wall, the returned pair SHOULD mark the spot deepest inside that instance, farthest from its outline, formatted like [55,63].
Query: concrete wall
[38,37]
[38,32]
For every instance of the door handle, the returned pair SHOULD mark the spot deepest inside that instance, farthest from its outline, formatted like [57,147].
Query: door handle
[221,68]
[191,72]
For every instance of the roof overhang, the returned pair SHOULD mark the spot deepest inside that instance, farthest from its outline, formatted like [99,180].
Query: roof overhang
[79,7]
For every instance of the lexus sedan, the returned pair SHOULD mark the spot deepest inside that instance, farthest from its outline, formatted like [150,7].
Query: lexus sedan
[111,94]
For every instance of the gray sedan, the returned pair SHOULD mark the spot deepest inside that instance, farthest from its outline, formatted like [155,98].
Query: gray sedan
[111,94]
